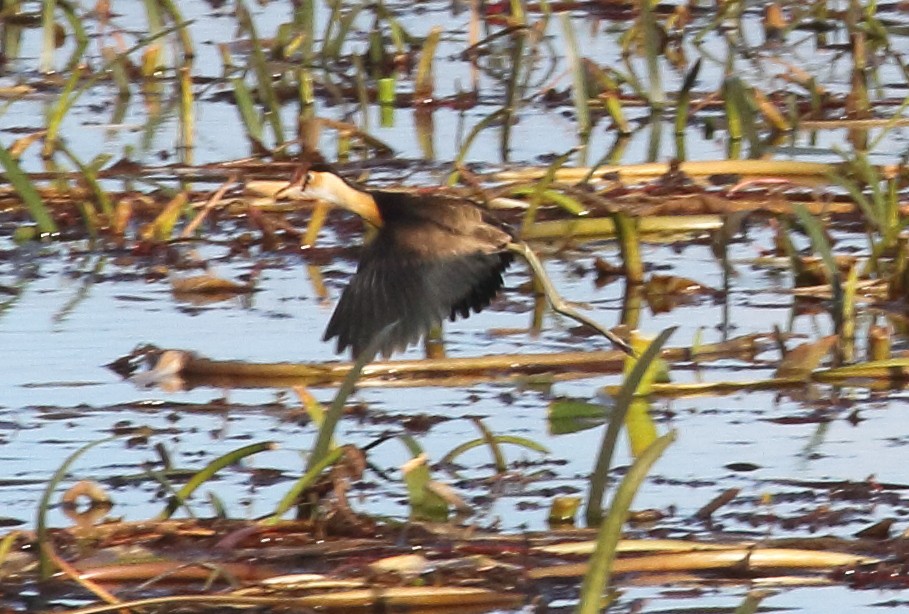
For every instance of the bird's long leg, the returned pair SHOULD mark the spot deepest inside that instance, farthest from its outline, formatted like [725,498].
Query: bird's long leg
[555,300]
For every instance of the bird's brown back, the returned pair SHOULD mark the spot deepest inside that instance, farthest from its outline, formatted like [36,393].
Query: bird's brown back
[437,226]
[433,258]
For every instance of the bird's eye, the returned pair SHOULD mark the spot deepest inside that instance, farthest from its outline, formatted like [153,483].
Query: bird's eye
[308,179]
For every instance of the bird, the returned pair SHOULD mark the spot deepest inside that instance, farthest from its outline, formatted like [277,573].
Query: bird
[433,257]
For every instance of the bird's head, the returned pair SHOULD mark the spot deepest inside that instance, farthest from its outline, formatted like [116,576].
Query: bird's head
[325,185]
[328,186]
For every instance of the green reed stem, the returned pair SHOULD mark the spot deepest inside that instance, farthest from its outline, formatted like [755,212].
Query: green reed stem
[579,83]
[452,455]
[26,190]
[375,50]
[596,580]
[306,90]
[542,187]
[331,49]
[518,14]
[292,496]
[847,331]
[569,204]
[650,28]
[246,107]
[334,17]
[183,33]
[45,565]
[751,604]
[59,111]
[187,113]
[600,474]
[79,34]
[266,91]
[610,97]
[49,36]
[208,472]
[6,545]
[425,503]
[362,93]
[424,85]
[386,91]
[513,98]
[474,133]
[630,246]
[734,111]
[304,21]
[334,413]
[498,458]
[399,36]
[118,71]
[153,60]
[822,246]
[684,103]
[90,176]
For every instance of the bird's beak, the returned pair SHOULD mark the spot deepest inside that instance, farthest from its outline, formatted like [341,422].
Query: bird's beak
[296,187]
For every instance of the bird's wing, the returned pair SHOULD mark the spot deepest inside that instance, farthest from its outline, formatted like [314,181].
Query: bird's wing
[412,289]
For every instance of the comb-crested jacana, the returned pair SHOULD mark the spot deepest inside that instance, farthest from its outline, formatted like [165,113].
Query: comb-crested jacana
[433,257]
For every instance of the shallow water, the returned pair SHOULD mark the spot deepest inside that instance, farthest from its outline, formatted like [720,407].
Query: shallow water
[66,326]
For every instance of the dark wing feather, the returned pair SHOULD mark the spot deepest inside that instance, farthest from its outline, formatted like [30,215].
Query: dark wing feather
[488,282]
[394,285]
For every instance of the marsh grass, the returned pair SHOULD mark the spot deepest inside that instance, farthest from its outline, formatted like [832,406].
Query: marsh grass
[424,81]
[68,97]
[822,246]
[259,66]
[187,114]
[597,578]
[494,443]
[600,474]
[684,100]
[424,502]
[46,566]
[630,246]
[26,190]
[208,472]
[101,200]
[652,34]
[336,410]
[879,201]
[576,65]
[541,190]
[294,495]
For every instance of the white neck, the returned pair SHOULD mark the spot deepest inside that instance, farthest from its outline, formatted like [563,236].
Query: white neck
[333,189]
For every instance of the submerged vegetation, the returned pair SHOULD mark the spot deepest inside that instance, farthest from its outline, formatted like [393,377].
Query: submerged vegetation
[641,130]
